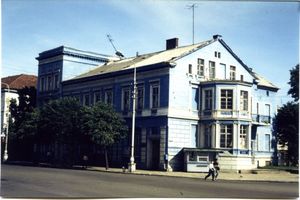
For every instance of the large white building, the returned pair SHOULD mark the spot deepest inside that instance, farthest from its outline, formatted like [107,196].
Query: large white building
[194,103]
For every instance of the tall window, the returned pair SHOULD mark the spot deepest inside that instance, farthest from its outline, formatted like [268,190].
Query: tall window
[232,72]
[86,100]
[49,83]
[195,136]
[244,101]
[243,136]
[267,142]
[226,99]
[154,95]
[97,96]
[212,69]
[42,85]
[200,67]
[195,98]
[140,97]
[190,68]
[226,131]
[207,99]
[56,81]
[207,136]
[125,99]
[109,97]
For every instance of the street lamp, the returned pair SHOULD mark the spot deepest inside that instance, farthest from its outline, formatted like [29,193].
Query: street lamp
[131,165]
[7,126]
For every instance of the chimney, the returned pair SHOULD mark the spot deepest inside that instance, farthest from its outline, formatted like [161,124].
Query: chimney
[171,43]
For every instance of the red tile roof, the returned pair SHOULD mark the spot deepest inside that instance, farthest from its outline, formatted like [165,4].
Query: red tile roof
[19,81]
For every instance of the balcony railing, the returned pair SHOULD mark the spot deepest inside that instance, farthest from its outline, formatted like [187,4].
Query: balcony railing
[261,119]
[225,114]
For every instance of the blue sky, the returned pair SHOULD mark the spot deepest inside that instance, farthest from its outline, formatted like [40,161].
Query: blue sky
[265,35]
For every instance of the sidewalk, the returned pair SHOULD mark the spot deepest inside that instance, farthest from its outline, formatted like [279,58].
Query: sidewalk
[260,175]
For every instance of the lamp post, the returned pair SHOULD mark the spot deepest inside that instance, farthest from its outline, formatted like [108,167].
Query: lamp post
[7,126]
[131,165]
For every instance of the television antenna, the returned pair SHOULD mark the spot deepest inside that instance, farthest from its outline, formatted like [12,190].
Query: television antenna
[118,53]
[193,6]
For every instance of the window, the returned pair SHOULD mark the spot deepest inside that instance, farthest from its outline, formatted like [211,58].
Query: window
[232,72]
[195,98]
[200,67]
[267,142]
[194,136]
[125,99]
[217,54]
[49,83]
[268,110]
[226,131]
[109,97]
[207,99]
[242,78]
[154,96]
[244,101]
[140,97]
[226,99]
[212,69]
[243,136]
[42,84]
[207,136]
[97,97]
[56,81]
[86,100]
[190,68]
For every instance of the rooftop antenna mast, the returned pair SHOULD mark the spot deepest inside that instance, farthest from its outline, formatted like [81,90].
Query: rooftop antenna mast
[193,6]
[118,53]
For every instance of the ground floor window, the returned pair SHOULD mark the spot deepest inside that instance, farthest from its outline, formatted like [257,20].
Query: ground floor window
[267,142]
[207,136]
[243,136]
[226,132]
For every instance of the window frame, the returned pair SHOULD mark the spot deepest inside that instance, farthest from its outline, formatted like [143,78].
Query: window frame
[232,75]
[125,99]
[244,100]
[106,96]
[208,100]
[243,136]
[228,136]
[212,69]
[200,67]
[152,100]
[226,100]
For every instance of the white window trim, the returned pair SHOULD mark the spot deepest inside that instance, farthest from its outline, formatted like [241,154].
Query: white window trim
[191,98]
[137,102]
[233,99]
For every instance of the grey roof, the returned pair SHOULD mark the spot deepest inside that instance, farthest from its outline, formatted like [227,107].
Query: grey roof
[168,56]
[146,59]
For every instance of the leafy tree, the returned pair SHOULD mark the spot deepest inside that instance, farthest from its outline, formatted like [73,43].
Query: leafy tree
[60,121]
[286,125]
[294,82]
[104,126]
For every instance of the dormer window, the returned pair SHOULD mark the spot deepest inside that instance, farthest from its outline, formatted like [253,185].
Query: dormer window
[217,54]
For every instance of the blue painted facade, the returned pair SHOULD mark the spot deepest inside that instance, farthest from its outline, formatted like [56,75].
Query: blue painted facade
[208,100]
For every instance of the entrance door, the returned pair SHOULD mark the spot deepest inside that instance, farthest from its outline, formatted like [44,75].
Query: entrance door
[155,154]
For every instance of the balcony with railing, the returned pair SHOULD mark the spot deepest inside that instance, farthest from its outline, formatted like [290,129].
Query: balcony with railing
[261,119]
[214,114]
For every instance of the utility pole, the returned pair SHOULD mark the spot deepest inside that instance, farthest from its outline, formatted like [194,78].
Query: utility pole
[193,6]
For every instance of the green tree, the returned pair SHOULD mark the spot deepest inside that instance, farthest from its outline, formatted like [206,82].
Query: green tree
[60,122]
[22,127]
[294,83]
[286,125]
[104,126]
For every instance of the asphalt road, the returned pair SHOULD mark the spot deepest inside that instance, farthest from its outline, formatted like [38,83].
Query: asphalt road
[37,182]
